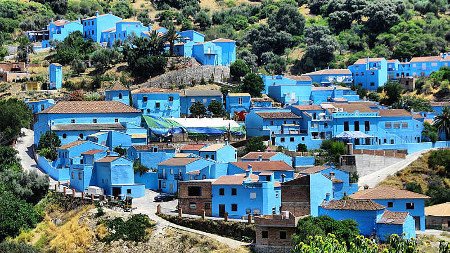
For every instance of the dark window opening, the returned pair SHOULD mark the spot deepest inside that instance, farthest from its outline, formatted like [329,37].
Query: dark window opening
[234,207]
[410,205]
[346,126]
[366,125]
[390,204]
[283,235]
[194,191]
[233,191]
[157,105]
[265,234]
[221,191]
[356,124]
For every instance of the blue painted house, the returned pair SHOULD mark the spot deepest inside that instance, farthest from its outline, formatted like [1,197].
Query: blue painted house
[296,92]
[122,30]
[151,155]
[112,139]
[282,171]
[219,152]
[112,173]
[264,102]
[189,97]
[173,170]
[342,186]
[243,194]
[237,102]
[373,219]
[327,77]
[398,201]
[37,106]
[55,76]
[369,73]
[218,52]
[268,123]
[59,30]
[275,80]
[75,120]
[118,92]
[157,102]
[228,51]
[95,25]
[266,156]
[191,35]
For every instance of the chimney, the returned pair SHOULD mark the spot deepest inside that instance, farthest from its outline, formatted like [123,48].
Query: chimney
[350,148]
[96,13]
[249,171]
[259,158]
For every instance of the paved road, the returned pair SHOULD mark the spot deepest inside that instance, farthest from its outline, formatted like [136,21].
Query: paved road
[375,178]
[145,205]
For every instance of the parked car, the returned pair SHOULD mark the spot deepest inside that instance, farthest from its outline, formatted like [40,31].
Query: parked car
[162,197]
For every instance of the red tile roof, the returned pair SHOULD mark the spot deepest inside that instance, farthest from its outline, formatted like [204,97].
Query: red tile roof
[364,60]
[153,90]
[353,204]
[223,40]
[118,86]
[237,179]
[179,161]
[300,78]
[72,144]
[352,107]
[278,115]
[77,107]
[386,192]
[312,170]
[189,147]
[92,152]
[264,166]
[426,59]
[308,107]
[108,159]
[330,72]
[394,113]
[150,146]
[389,217]
[255,155]
[60,22]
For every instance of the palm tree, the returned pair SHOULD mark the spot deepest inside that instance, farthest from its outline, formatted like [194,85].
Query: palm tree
[171,36]
[442,122]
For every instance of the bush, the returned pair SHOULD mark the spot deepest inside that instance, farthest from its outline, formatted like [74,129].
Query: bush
[48,153]
[301,147]
[440,161]
[333,149]
[255,144]
[134,229]
[237,230]
[20,247]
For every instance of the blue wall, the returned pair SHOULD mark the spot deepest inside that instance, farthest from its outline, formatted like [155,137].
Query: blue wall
[55,76]
[158,104]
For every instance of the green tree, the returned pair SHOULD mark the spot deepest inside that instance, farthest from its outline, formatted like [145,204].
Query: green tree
[122,9]
[8,159]
[24,49]
[16,215]
[138,167]
[197,109]
[442,122]
[103,58]
[239,69]
[203,20]
[301,147]
[216,108]
[413,103]
[171,36]
[14,115]
[17,247]
[49,140]
[78,66]
[287,18]
[393,92]
[264,39]
[340,20]
[119,150]
[73,47]
[253,84]
[429,132]
[333,150]
[27,186]
[255,144]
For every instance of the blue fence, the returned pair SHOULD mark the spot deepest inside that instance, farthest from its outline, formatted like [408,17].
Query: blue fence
[56,174]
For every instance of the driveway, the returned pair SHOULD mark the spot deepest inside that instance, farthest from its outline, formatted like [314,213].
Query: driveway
[145,205]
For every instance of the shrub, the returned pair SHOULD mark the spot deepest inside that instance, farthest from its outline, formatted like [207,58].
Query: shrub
[255,144]
[20,247]
[301,147]
[48,153]
[237,230]
[440,160]
[134,229]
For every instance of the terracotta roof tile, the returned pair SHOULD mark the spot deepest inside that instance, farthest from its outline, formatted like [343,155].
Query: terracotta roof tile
[153,90]
[239,94]
[364,60]
[264,166]
[426,59]
[352,107]
[78,107]
[300,78]
[442,210]
[108,159]
[189,147]
[255,155]
[202,93]
[72,144]
[84,127]
[60,22]
[163,146]
[394,113]
[353,204]
[118,86]
[330,72]
[308,107]
[278,115]
[223,40]
[179,161]
[92,152]
[237,179]
[312,170]
[386,192]
[397,218]
[213,147]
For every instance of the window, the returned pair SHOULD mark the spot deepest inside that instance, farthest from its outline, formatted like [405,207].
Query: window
[367,125]
[392,141]
[390,204]
[171,172]
[207,156]
[284,122]
[240,101]
[283,235]
[252,195]
[221,191]
[170,98]
[157,105]
[271,122]
[72,121]
[148,110]
[94,120]
[144,99]
[192,205]
[81,136]
[192,100]
[387,125]
[372,73]
[234,207]
[372,84]
[195,191]
[356,125]
[404,124]
[396,125]
[303,138]
[72,176]
[410,205]
[362,73]
[128,191]
[233,191]
[346,127]
[282,139]
[207,206]
[291,139]
[265,234]
[212,157]
[64,136]
[42,107]
[120,95]
[116,120]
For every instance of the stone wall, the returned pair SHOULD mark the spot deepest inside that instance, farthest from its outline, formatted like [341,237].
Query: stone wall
[189,76]
[295,196]
[202,202]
